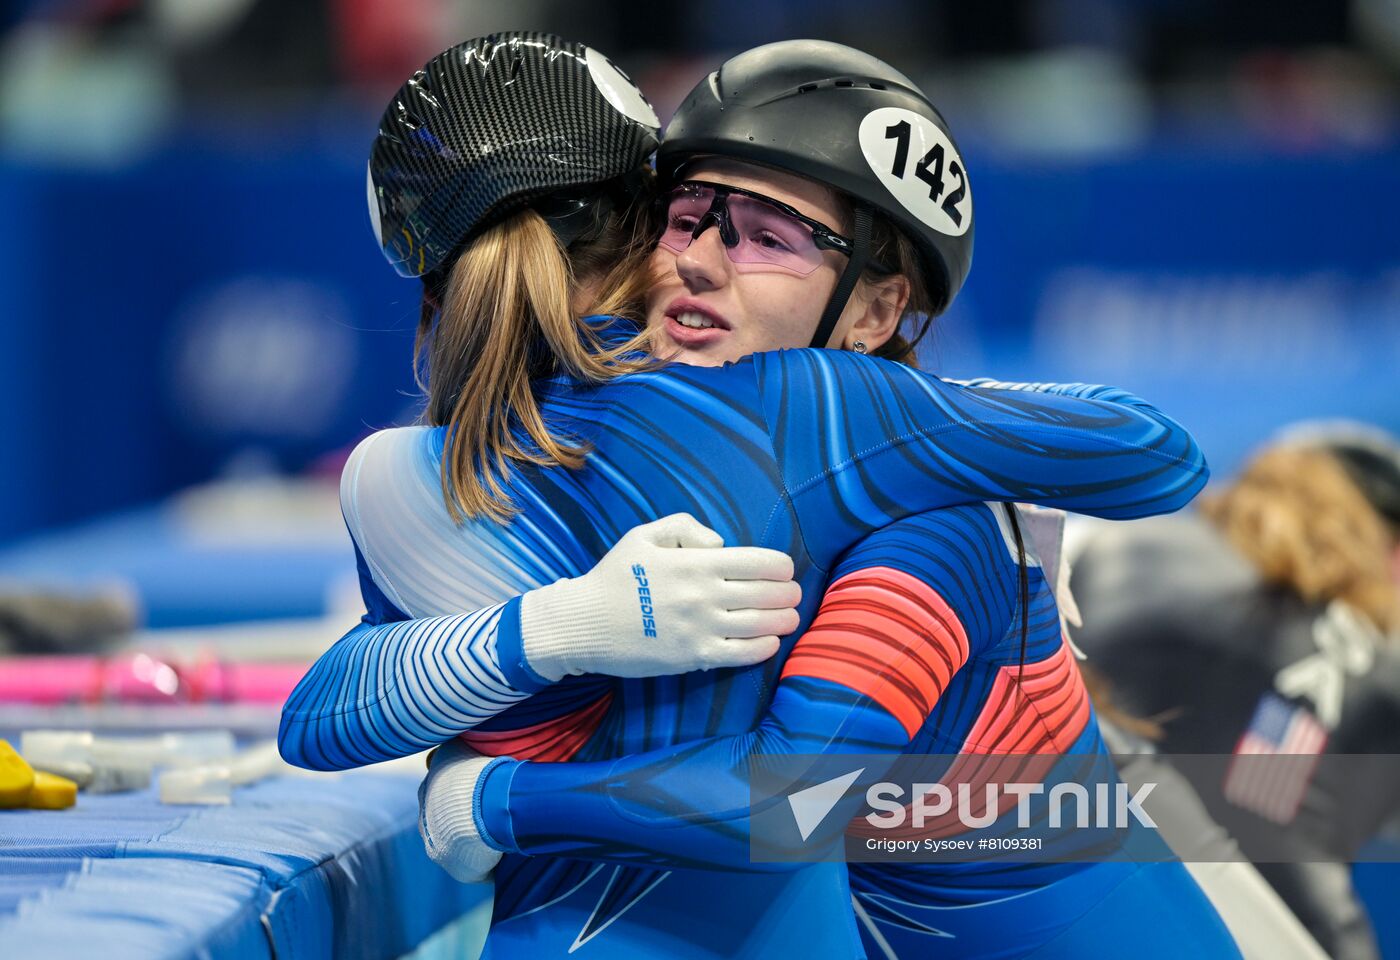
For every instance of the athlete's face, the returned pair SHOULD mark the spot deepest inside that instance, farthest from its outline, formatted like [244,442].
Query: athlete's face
[707,310]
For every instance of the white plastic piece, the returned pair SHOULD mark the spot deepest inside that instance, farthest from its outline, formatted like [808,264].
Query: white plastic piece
[257,763]
[78,771]
[197,746]
[56,745]
[212,783]
[112,778]
[67,753]
[114,764]
[208,784]
[164,750]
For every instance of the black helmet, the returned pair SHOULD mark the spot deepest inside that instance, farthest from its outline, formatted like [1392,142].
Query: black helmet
[493,125]
[846,119]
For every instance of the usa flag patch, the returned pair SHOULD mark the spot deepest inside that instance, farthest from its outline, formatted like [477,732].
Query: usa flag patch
[1275,759]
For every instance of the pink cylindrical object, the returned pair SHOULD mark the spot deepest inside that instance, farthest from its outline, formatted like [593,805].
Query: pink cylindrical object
[261,682]
[50,680]
[241,682]
[141,678]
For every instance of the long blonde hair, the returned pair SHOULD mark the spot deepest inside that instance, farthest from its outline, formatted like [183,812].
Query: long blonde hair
[1302,522]
[500,317]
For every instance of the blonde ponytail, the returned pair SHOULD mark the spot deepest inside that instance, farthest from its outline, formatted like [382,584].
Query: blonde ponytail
[1304,524]
[501,319]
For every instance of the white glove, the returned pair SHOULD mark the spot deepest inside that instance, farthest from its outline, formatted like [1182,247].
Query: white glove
[446,814]
[649,609]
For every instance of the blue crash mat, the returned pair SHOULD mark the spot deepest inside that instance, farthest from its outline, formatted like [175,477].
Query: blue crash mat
[295,867]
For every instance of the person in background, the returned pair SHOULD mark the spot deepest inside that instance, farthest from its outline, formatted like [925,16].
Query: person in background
[1266,623]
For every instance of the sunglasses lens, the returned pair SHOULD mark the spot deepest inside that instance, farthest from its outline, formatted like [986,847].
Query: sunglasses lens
[685,208]
[765,238]
[768,237]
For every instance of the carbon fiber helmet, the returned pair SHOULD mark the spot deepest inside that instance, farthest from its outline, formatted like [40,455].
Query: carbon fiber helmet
[846,119]
[491,126]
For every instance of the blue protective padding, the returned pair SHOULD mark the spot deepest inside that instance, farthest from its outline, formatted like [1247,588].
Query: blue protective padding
[122,937]
[132,908]
[99,827]
[293,868]
[23,879]
[1377,881]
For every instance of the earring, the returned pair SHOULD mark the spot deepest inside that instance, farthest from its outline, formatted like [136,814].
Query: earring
[858,346]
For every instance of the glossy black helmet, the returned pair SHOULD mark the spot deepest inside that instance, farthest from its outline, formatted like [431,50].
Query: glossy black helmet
[846,119]
[491,126]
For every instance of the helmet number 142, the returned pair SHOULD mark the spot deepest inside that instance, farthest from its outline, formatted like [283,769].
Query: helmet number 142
[899,132]
[918,163]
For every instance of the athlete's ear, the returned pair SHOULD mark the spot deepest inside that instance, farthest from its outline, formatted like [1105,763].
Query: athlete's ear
[878,306]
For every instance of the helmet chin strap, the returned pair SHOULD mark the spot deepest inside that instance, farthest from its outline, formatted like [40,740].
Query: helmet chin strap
[855,266]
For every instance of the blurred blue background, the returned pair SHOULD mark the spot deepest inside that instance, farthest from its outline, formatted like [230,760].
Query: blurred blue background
[1189,199]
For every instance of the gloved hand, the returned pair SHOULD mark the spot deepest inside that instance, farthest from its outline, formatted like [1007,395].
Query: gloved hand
[653,606]
[447,813]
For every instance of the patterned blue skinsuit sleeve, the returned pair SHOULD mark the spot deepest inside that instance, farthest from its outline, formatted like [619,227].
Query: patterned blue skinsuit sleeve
[394,682]
[601,802]
[917,633]
[884,440]
[416,670]
[688,805]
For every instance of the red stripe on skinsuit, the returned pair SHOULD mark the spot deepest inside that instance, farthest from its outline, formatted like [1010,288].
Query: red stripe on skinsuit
[553,741]
[886,634]
[1051,693]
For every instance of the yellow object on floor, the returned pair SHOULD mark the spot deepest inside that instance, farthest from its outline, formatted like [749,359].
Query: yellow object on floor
[16,777]
[52,792]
